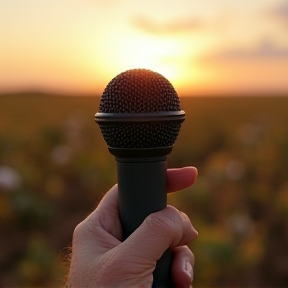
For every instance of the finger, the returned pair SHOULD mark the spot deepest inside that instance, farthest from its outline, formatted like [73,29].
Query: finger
[106,215]
[181,178]
[159,231]
[182,266]
[177,179]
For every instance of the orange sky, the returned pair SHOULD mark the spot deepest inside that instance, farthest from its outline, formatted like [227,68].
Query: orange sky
[203,47]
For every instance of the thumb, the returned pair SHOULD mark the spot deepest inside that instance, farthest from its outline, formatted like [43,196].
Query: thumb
[159,231]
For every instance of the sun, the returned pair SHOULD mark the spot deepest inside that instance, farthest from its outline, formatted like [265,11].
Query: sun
[149,52]
[165,54]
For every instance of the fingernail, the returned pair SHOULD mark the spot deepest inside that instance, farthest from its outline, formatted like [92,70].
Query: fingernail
[189,269]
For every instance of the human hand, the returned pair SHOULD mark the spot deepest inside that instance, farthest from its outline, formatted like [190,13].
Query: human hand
[100,259]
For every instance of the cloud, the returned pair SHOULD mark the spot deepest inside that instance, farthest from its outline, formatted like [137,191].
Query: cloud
[281,13]
[266,50]
[180,26]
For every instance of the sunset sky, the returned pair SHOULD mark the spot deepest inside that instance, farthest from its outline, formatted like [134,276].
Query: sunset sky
[205,47]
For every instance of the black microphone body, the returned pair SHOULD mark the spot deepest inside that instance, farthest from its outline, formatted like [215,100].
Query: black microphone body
[140,133]
[142,191]
[147,179]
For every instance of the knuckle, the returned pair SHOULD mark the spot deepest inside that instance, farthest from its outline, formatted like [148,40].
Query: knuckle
[87,227]
[185,252]
[188,231]
[160,224]
[78,232]
[188,252]
[184,231]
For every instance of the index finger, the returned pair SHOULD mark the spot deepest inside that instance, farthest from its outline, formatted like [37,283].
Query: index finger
[181,178]
[177,179]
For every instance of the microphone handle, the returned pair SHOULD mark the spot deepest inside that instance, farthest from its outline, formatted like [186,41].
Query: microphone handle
[142,191]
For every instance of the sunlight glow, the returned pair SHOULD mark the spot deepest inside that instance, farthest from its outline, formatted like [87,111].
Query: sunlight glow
[77,47]
[156,54]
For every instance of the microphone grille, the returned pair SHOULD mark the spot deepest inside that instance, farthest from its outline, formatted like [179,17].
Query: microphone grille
[137,135]
[139,91]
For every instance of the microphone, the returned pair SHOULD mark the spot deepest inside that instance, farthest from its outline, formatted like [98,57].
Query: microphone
[140,118]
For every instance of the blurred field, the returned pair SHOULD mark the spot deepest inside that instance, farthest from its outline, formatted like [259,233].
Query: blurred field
[54,168]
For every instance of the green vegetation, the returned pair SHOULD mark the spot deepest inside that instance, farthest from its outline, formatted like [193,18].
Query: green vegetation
[55,167]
